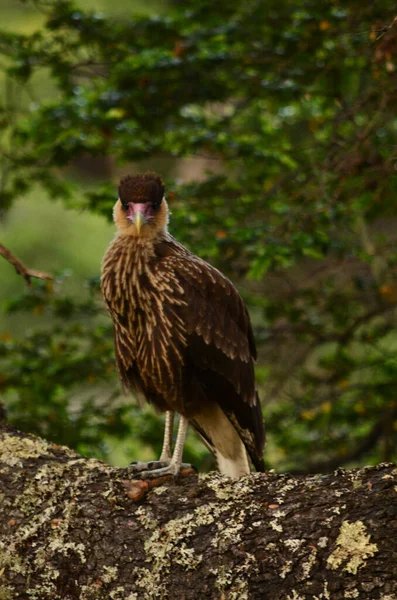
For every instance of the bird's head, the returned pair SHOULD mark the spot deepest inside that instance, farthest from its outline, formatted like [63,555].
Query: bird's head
[141,209]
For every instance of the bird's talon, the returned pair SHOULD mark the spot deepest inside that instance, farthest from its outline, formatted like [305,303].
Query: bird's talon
[157,464]
[135,468]
[162,471]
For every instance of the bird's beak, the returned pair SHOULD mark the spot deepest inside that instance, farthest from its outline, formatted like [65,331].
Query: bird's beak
[139,221]
[137,215]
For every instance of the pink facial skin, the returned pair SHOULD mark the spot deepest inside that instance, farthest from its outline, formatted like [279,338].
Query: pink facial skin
[145,208]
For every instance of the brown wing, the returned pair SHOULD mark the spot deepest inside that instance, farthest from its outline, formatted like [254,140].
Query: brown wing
[220,350]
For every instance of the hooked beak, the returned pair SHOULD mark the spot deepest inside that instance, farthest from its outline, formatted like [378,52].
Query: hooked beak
[139,221]
[137,214]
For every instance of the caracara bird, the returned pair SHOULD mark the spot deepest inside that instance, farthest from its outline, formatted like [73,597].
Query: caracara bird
[182,334]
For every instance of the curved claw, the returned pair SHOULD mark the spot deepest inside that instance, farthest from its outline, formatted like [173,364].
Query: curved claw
[135,468]
[157,469]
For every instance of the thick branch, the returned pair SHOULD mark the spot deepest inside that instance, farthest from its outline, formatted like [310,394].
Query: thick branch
[20,268]
[69,530]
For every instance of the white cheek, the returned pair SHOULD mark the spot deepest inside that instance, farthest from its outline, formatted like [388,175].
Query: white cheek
[115,211]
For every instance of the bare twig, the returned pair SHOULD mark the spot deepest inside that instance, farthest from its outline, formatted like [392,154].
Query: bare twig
[21,269]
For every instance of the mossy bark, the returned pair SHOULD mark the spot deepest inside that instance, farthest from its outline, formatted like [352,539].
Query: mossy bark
[69,530]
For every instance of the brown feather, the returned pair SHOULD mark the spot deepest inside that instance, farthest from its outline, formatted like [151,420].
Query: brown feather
[145,187]
[183,337]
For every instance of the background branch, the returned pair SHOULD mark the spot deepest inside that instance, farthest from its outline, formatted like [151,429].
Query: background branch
[21,269]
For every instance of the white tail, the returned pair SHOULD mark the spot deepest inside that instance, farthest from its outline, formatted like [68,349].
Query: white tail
[230,451]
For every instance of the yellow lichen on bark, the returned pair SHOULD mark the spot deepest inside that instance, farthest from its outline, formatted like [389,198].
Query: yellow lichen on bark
[353,544]
[14,449]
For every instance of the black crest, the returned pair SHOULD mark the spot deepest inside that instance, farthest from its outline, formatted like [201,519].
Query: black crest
[144,187]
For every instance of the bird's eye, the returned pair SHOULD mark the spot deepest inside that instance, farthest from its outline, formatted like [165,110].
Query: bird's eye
[156,204]
[124,204]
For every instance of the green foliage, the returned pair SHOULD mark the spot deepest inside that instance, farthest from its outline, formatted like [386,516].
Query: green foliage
[288,112]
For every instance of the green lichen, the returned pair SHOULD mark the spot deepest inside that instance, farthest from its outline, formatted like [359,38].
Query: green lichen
[6,593]
[90,591]
[232,582]
[308,565]
[146,517]
[13,450]
[294,544]
[286,568]
[159,490]
[275,522]
[169,544]
[229,489]
[357,483]
[10,559]
[119,594]
[229,534]
[353,546]
[326,594]
[110,574]
[295,596]
[288,486]
[59,483]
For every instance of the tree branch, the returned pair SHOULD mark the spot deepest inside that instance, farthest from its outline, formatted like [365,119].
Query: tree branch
[21,269]
[70,531]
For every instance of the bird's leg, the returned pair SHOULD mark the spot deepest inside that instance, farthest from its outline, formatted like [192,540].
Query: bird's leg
[175,465]
[146,476]
[166,452]
[176,460]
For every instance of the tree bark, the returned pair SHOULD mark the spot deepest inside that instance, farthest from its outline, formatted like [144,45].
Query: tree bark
[69,530]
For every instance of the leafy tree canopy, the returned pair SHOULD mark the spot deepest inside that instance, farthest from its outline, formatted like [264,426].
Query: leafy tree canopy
[289,112]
